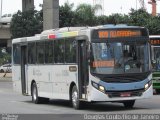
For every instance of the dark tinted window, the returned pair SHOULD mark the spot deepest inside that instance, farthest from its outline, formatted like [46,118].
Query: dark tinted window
[59,51]
[49,51]
[31,53]
[16,54]
[70,51]
[40,52]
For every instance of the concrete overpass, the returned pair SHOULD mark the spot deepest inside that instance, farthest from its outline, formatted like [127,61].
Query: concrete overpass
[5,36]
[50,18]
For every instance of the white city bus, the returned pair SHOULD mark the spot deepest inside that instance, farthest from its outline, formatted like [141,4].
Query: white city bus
[102,63]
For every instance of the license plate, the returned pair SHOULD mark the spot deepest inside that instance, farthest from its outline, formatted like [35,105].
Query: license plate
[127,94]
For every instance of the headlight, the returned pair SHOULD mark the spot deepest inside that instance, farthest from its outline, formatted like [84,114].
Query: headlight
[98,87]
[101,88]
[147,85]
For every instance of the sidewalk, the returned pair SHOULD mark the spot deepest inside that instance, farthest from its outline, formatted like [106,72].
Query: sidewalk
[5,77]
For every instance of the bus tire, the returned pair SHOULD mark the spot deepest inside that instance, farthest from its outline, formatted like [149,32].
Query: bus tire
[75,98]
[35,98]
[129,103]
[157,91]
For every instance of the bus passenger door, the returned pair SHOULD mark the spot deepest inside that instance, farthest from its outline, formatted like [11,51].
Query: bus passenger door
[23,70]
[82,69]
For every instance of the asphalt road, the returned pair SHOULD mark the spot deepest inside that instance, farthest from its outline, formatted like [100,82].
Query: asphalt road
[14,103]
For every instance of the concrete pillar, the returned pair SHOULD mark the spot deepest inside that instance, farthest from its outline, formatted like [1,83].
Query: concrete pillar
[50,14]
[27,5]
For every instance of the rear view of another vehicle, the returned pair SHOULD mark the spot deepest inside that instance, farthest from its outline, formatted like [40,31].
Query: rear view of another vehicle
[155,52]
[156,69]
[5,68]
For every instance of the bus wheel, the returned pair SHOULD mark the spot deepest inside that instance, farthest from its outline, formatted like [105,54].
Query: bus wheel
[158,91]
[129,104]
[35,98]
[75,98]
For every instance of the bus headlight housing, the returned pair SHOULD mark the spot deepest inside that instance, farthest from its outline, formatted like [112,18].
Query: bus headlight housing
[95,85]
[98,87]
[147,85]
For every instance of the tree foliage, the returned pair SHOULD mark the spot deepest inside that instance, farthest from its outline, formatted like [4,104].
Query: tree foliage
[85,14]
[5,55]
[26,23]
[30,23]
[66,15]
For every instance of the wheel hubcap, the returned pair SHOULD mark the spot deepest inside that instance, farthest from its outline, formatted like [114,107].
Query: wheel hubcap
[74,98]
[34,94]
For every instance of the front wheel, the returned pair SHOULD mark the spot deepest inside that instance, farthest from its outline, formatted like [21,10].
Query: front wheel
[129,104]
[76,103]
[35,98]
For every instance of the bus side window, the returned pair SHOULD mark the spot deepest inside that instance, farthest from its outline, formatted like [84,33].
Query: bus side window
[31,53]
[49,46]
[59,51]
[16,54]
[40,52]
[70,51]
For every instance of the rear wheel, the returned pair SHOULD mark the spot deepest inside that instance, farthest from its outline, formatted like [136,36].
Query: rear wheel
[129,104]
[76,103]
[35,98]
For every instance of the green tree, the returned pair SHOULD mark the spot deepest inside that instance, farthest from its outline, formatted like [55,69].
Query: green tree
[5,55]
[66,15]
[142,18]
[153,24]
[117,19]
[101,20]
[26,23]
[139,17]
[85,14]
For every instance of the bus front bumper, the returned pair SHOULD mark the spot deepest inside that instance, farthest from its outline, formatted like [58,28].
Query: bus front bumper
[99,96]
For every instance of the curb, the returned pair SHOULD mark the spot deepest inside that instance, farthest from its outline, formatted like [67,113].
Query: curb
[5,79]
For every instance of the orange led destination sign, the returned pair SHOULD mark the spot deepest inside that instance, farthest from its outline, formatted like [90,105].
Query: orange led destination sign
[155,42]
[118,33]
[108,63]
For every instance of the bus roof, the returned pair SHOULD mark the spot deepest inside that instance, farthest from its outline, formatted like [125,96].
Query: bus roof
[72,31]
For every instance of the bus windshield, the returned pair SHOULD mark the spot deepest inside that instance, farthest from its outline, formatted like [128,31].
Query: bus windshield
[156,58]
[119,58]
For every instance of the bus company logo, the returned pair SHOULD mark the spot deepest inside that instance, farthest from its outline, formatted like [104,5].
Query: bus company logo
[72,68]
[9,117]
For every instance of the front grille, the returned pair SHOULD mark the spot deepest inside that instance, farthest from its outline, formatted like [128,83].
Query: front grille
[132,93]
